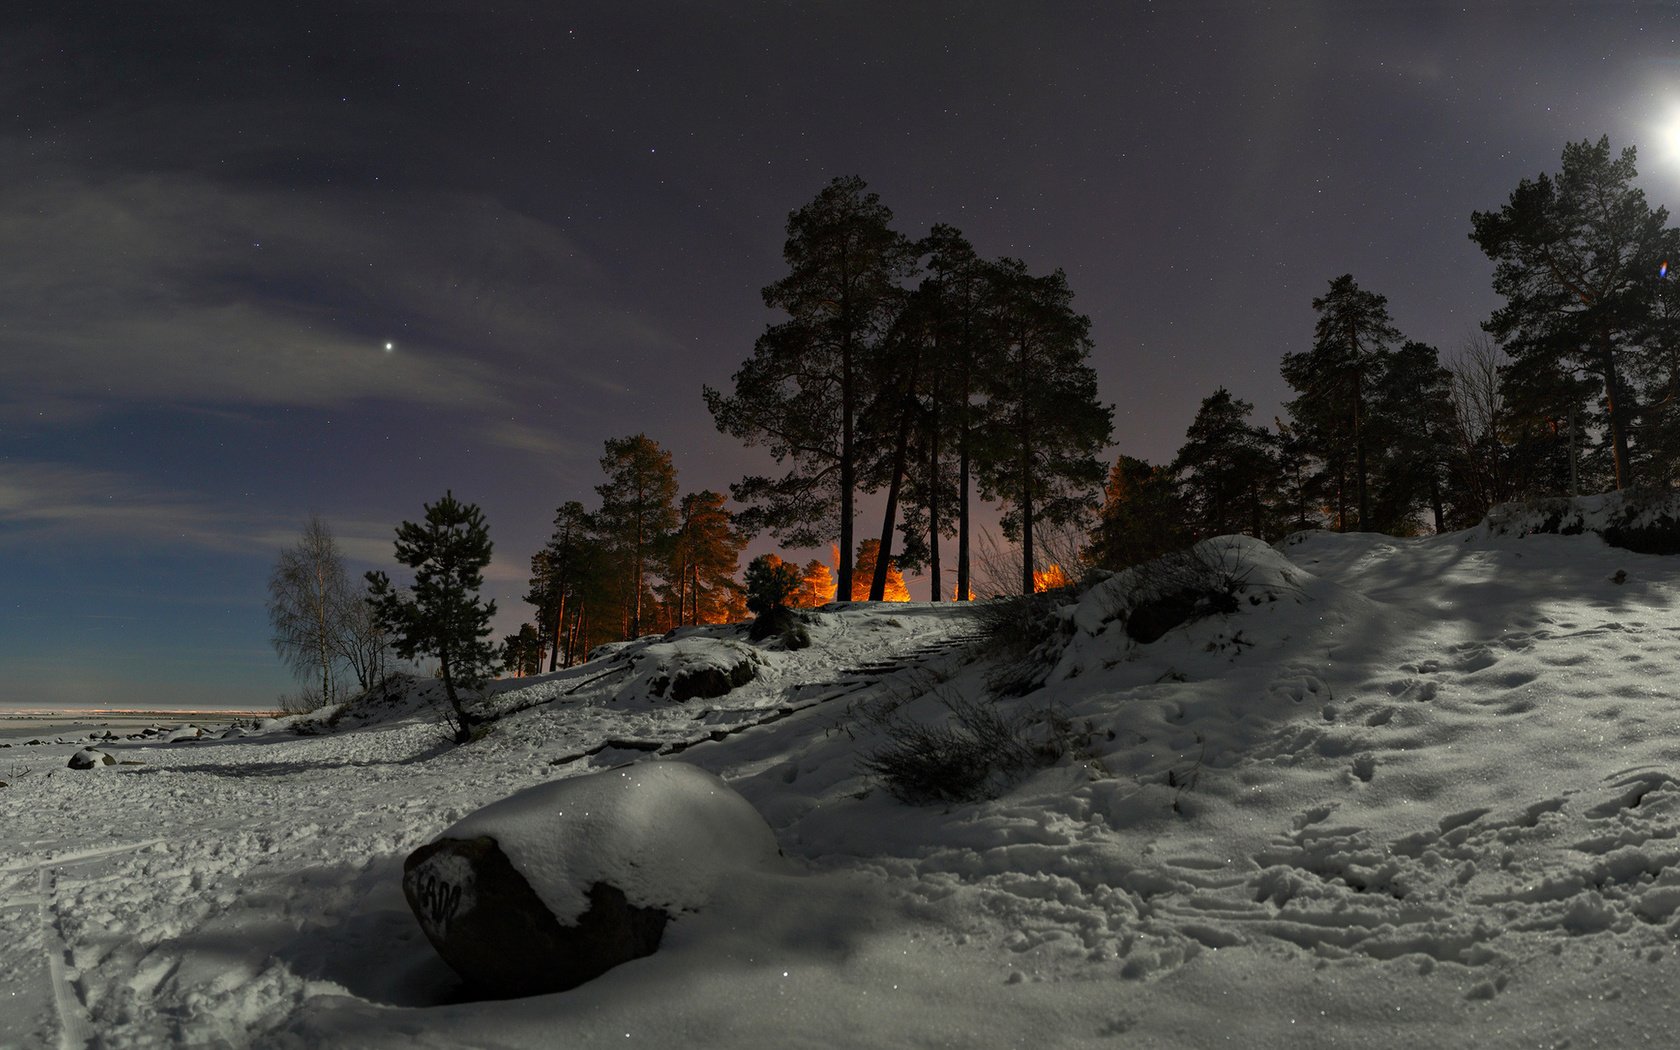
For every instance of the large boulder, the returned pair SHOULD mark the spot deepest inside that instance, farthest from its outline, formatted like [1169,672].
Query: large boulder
[690,667]
[91,758]
[559,883]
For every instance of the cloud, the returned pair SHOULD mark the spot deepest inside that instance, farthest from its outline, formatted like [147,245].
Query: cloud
[538,441]
[56,501]
[174,289]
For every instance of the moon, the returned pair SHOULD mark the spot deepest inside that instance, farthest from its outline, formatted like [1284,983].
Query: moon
[389,347]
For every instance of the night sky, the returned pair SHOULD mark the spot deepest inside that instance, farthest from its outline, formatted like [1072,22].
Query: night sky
[214,217]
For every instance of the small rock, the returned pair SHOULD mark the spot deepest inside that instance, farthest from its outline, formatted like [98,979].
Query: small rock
[1620,577]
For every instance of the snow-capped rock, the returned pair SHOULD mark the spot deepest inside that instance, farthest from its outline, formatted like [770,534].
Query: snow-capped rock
[561,882]
[90,758]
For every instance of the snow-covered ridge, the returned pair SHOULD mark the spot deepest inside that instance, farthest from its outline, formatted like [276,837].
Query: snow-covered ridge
[1398,793]
[1643,520]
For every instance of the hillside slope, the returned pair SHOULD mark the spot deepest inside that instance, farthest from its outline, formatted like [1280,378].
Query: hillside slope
[1410,792]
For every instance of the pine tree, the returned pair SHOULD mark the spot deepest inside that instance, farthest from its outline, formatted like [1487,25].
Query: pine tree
[442,615]
[637,514]
[770,583]
[869,566]
[1412,433]
[1579,260]
[1229,469]
[1046,424]
[561,573]
[522,651]
[1142,516]
[703,558]
[816,586]
[949,315]
[1301,493]
[802,390]
[1352,339]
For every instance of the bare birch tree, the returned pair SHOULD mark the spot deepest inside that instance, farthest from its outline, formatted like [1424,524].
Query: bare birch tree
[312,608]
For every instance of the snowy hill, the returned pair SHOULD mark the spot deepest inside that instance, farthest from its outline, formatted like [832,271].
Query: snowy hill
[1381,793]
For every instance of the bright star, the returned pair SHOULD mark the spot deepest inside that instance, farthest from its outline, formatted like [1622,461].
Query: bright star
[389,347]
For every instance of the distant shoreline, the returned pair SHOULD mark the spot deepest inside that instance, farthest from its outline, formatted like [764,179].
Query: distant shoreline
[21,726]
[69,714]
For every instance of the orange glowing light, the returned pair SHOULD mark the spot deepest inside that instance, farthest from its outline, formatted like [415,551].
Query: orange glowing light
[1049,579]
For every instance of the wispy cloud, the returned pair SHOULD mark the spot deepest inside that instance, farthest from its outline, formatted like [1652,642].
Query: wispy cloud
[173,289]
[65,502]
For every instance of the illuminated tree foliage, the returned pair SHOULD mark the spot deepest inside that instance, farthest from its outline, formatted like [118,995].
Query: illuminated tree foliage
[701,561]
[870,566]
[637,515]
[816,586]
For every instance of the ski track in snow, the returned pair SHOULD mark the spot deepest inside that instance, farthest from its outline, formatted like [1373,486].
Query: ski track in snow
[1452,762]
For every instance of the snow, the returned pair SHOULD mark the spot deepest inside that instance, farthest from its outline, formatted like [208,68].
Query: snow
[1412,792]
[665,833]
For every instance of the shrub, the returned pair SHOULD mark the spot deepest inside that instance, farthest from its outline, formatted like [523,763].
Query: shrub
[770,581]
[301,702]
[1022,634]
[975,754]
[1183,587]
[781,621]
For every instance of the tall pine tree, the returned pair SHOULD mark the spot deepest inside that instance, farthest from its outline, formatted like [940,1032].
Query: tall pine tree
[1228,468]
[704,556]
[1046,423]
[442,615]
[637,514]
[1579,260]
[801,391]
[1142,516]
[1352,339]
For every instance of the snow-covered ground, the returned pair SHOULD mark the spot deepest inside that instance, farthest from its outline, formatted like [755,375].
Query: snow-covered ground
[1412,793]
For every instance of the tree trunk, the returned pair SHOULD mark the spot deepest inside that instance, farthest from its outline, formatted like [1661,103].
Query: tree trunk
[883,554]
[1359,452]
[1026,531]
[1618,427]
[963,440]
[1574,455]
[933,505]
[848,476]
[559,628]
[883,557]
